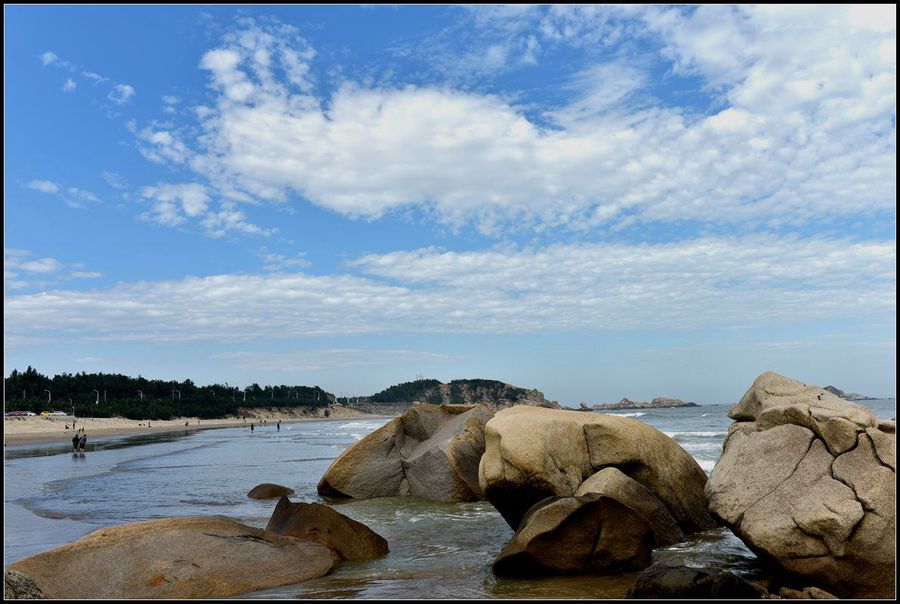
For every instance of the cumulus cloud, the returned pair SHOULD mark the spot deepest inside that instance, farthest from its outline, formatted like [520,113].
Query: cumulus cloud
[823,150]
[173,203]
[700,283]
[48,57]
[120,94]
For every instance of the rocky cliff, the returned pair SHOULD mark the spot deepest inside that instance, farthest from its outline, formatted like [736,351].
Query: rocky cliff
[657,403]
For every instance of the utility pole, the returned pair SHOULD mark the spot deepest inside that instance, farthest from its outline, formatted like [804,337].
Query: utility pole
[48,394]
[141,394]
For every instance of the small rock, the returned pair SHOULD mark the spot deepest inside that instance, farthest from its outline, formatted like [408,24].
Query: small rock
[346,538]
[684,582]
[267,490]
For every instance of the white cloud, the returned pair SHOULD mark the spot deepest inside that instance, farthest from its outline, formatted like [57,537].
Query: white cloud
[69,86]
[319,360]
[21,271]
[48,57]
[120,94]
[279,262]
[44,186]
[757,281]
[807,133]
[163,146]
[172,203]
[114,180]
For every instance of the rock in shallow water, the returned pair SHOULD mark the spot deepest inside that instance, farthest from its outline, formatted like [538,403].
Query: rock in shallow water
[345,537]
[807,481]
[267,490]
[568,535]
[193,557]
[690,583]
[430,451]
[533,453]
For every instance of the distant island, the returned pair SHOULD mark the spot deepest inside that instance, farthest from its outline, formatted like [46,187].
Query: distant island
[848,396]
[657,403]
[492,393]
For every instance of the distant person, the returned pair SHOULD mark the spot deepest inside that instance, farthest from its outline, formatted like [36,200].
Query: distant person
[75,444]
[251,426]
[82,442]
[67,426]
[278,425]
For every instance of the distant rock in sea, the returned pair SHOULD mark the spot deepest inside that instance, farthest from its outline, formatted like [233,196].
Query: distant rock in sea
[848,396]
[657,403]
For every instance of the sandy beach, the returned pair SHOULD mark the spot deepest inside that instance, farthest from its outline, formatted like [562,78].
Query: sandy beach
[36,429]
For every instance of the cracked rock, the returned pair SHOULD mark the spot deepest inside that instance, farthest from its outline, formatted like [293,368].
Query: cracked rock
[807,481]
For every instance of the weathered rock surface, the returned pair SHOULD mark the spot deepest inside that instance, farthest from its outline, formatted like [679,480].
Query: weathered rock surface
[533,453]
[17,586]
[567,535]
[430,451]
[191,557]
[267,490]
[346,538]
[683,582]
[616,485]
[807,480]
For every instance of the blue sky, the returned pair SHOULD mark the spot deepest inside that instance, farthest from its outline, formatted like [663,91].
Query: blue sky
[596,202]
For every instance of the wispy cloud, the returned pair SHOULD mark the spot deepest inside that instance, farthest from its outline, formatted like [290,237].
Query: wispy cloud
[71,196]
[120,94]
[321,360]
[701,283]
[69,85]
[21,270]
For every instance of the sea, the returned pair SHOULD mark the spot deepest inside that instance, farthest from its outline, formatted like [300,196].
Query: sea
[438,550]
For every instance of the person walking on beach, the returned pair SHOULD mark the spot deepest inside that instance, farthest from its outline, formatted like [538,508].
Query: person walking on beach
[278,425]
[82,442]
[75,444]
[251,426]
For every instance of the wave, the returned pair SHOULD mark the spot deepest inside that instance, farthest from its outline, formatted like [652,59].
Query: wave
[638,414]
[697,434]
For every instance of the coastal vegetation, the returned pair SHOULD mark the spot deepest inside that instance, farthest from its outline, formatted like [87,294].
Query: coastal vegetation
[112,394]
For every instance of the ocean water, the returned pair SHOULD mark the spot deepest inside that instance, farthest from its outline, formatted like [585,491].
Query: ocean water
[438,550]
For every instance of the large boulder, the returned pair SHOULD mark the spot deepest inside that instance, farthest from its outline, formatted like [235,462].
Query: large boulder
[430,451]
[267,490]
[532,453]
[567,535]
[346,538]
[807,481]
[193,557]
[17,586]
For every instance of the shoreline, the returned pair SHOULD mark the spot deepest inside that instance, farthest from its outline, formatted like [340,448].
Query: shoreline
[40,430]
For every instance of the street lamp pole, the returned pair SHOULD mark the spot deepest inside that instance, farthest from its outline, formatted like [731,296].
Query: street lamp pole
[97,402]
[141,394]
[48,395]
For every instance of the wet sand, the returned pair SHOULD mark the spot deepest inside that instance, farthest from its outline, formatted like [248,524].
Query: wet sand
[36,429]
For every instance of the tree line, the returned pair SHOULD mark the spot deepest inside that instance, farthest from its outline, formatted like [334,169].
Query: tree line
[112,394]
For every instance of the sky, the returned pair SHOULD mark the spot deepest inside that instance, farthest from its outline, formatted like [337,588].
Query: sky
[594,201]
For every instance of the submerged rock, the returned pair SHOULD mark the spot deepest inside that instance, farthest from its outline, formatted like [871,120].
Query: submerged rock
[430,451]
[587,534]
[807,481]
[193,557]
[659,582]
[17,586]
[267,490]
[346,538]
